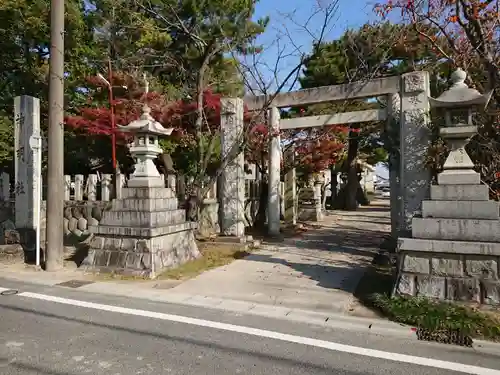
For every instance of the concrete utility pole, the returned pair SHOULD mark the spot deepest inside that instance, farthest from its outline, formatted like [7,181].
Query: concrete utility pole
[55,194]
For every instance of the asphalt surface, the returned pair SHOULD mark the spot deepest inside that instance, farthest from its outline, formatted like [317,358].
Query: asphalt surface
[49,338]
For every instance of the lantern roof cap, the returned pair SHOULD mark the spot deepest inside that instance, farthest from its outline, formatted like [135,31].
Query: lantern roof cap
[460,95]
[146,124]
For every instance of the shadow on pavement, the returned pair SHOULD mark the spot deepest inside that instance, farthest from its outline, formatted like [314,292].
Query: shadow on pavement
[338,276]
[340,252]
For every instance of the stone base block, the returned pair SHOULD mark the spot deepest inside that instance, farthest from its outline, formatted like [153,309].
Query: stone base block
[459,192]
[116,230]
[143,219]
[310,214]
[461,209]
[140,256]
[147,192]
[456,229]
[441,275]
[459,177]
[449,247]
[134,204]
[147,182]
[464,289]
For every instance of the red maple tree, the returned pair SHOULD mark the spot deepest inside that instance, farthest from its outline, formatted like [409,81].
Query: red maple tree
[315,153]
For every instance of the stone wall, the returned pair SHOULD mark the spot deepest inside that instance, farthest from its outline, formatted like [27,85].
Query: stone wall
[463,274]
[78,216]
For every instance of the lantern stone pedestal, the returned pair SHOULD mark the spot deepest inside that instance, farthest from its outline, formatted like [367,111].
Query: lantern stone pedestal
[144,232]
[309,205]
[455,250]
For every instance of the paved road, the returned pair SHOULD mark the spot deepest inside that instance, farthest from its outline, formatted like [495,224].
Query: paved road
[57,331]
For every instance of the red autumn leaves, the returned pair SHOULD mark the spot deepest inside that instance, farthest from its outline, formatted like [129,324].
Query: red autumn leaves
[95,119]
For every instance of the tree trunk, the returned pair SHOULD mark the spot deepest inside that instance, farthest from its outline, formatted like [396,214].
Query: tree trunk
[260,219]
[352,185]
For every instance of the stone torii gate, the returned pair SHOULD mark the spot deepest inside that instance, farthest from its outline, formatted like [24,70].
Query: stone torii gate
[407,108]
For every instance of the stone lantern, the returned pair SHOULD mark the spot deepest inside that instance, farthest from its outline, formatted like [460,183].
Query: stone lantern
[457,237]
[458,104]
[145,148]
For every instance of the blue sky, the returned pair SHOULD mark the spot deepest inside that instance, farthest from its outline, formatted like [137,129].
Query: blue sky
[288,18]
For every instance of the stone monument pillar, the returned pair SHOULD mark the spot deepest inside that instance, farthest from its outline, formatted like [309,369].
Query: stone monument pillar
[144,232]
[393,132]
[28,162]
[273,203]
[232,181]
[415,177]
[291,189]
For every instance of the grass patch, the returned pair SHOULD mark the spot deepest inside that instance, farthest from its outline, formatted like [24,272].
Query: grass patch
[437,315]
[213,255]
[378,279]
[374,291]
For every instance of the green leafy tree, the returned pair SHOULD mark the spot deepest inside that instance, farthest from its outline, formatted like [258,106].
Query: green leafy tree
[369,52]
[24,52]
[464,34]
[204,33]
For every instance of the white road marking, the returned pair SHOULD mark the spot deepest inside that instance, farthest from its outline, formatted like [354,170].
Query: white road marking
[397,357]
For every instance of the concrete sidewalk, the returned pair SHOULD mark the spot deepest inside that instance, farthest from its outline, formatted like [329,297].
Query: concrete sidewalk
[317,272]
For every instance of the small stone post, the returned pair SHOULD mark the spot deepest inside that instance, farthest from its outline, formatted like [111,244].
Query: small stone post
[79,187]
[232,187]
[172,182]
[318,207]
[67,187]
[92,187]
[106,187]
[273,204]
[414,137]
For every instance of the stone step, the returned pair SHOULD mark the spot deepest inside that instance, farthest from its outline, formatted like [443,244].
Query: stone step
[120,231]
[459,177]
[143,219]
[456,229]
[136,204]
[149,192]
[449,246]
[461,209]
[459,192]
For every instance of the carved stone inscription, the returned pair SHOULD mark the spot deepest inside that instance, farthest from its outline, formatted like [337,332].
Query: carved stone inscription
[233,176]
[27,159]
